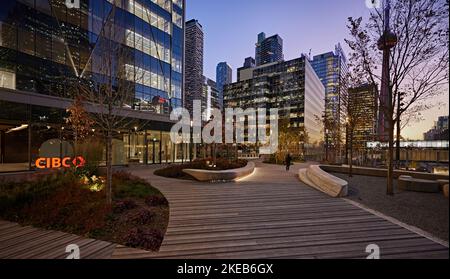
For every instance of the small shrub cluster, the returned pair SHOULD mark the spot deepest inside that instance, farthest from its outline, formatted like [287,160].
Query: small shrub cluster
[154,201]
[126,185]
[65,201]
[71,207]
[143,217]
[15,195]
[124,205]
[144,238]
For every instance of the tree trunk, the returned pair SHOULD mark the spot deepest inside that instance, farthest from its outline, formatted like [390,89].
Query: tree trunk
[397,148]
[109,167]
[390,160]
[350,172]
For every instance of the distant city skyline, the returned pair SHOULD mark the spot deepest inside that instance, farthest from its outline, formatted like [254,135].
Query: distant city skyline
[316,26]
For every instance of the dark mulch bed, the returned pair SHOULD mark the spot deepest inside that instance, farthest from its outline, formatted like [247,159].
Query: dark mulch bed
[176,171]
[429,212]
[138,216]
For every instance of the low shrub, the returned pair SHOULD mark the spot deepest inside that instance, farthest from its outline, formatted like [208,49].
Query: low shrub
[149,239]
[15,195]
[70,208]
[154,201]
[66,202]
[124,205]
[143,217]
[126,185]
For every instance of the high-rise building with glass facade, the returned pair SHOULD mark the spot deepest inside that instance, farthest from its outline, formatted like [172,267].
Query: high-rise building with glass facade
[249,63]
[210,98]
[45,47]
[332,70]
[194,63]
[268,50]
[363,103]
[294,88]
[224,76]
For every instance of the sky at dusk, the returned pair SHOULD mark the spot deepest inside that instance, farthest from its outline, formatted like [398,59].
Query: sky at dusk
[231,28]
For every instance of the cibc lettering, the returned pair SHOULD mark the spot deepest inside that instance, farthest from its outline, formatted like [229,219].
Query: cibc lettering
[57,163]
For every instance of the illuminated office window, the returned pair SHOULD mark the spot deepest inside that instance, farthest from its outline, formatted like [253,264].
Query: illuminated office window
[7,79]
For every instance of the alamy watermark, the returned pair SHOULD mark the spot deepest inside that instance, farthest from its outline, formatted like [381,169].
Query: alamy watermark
[238,126]
[373,4]
[73,4]
[74,252]
[374,252]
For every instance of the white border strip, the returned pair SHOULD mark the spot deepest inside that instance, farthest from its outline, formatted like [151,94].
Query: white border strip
[398,222]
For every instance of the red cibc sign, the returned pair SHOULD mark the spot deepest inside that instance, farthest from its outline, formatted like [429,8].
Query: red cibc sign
[57,163]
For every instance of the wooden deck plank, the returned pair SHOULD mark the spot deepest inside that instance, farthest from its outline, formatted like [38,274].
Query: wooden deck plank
[272,214]
[269,214]
[31,243]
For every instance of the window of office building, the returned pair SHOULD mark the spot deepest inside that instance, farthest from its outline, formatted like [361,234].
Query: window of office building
[149,16]
[7,79]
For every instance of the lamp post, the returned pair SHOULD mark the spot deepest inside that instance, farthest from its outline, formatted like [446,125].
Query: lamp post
[153,155]
[346,139]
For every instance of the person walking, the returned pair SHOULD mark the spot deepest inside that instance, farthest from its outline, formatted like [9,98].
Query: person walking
[288,161]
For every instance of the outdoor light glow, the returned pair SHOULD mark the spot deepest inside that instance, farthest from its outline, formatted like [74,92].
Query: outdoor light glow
[21,127]
[235,144]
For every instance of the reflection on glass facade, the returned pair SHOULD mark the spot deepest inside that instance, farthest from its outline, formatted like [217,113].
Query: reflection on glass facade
[332,69]
[28,132]
[363,102]
[224,75]
[44,45]
[292,87]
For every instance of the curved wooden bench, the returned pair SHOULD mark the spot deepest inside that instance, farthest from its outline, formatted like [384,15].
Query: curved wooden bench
[222,175]
[407,183]
[317,178]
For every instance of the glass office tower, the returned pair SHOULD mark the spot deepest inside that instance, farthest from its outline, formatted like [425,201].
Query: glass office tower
[294,88]
[268,50]
[332,70]
[45,46]
[224,76]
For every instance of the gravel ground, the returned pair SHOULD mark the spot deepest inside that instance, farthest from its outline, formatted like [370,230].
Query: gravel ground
[429,212]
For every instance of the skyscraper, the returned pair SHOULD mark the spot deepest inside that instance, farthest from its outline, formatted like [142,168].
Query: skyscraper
[224,76]
[194,63]
[294,88]
[269,49]
[210,98]
[249,63]
[44,48]
[363,102]
[331,67]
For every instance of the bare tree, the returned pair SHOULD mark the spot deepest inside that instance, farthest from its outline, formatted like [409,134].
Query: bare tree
[79,121]
[360,115]
[418,63]
[107,85]
[332,130]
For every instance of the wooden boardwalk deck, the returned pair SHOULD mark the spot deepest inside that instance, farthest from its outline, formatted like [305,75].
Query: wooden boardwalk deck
[272,215]
[18,242]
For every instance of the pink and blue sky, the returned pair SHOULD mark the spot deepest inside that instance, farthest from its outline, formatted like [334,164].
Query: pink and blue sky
[231,28]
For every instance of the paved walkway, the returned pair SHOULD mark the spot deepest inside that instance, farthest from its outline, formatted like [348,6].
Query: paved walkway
[271,214]
[18,242]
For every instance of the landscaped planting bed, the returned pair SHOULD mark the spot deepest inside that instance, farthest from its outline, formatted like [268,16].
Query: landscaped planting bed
[138,216]
[176,171]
